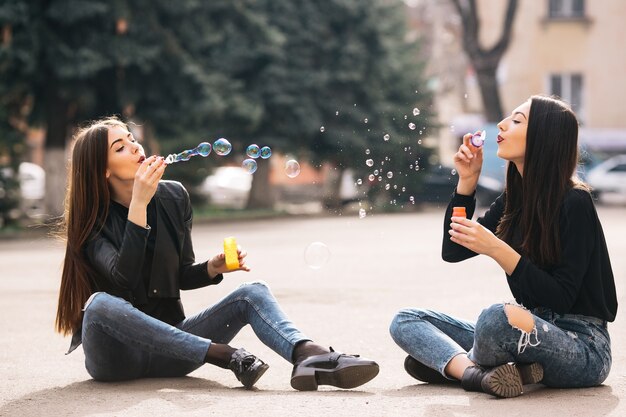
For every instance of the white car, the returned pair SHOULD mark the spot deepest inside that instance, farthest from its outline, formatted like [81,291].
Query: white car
[228,187]
[608,179]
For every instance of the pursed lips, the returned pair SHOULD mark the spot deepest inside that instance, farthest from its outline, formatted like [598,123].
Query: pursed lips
[499,139]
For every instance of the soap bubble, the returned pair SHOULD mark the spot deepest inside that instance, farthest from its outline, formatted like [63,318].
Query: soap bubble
[386,137]
[389,174]
[249,165]
[316,255]
[322,129]
[367,152]
[222,147]
[369,162]
[185,155]
[266,152]
[371,177]
[362,213]
[292,168]
[416,111]
[253,151]
[412,126]
[359,181]
[203,149]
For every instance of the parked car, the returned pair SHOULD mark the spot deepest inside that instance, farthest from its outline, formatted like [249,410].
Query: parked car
[608,179]
[227,187]
[22,194]
[439,183]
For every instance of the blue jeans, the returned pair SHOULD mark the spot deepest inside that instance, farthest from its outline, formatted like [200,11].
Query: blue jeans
[120,342]
[574,350]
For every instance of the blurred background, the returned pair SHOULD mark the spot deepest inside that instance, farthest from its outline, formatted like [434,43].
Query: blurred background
[370,97]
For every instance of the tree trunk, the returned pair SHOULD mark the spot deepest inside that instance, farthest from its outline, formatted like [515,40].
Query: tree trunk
[485,61]
[332,187]
[492,106]
[261,194]
[57,123]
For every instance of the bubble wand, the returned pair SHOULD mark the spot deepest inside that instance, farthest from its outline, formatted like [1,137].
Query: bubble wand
[221,146]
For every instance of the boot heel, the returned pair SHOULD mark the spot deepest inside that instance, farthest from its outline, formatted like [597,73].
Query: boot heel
[304,379]
[531,373]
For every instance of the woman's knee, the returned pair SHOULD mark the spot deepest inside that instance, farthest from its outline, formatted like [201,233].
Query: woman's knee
[101,305]
[398,324]
[491,321]
[253,291]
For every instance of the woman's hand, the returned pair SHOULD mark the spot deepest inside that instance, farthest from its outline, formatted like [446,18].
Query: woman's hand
[217,264]
[468,161]
[475,237]
[147,179]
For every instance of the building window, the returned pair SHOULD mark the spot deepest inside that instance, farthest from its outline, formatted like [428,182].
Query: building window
[566,9]
[569,87]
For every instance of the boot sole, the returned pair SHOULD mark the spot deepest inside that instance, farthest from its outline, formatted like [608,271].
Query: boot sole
[349,377]
[531,373]
[503,381]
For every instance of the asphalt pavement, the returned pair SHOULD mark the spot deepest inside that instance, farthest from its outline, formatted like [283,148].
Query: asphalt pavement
[342,292]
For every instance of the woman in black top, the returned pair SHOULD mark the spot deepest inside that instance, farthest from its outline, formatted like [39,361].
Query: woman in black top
[545,234]
[128,255]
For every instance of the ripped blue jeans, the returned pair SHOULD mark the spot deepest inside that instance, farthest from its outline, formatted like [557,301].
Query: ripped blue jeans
[574,350]
[120,342]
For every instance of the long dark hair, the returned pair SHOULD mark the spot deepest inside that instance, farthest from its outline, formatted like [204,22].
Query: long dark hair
[86,208]
[533,200]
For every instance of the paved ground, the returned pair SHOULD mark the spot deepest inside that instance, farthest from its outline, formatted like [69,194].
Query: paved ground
[377,265]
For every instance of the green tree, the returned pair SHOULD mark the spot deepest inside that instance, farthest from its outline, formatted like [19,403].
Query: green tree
[333,65]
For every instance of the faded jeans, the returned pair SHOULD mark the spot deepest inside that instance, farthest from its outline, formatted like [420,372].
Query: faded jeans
[120,342]
[574,350]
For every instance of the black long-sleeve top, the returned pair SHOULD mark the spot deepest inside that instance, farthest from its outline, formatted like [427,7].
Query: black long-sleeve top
[580,283]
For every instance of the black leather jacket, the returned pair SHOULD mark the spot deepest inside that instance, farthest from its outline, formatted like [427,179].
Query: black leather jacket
[116,253]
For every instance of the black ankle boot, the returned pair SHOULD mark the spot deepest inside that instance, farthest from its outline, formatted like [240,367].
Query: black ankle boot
[502,381]
[247,367]
[423,373]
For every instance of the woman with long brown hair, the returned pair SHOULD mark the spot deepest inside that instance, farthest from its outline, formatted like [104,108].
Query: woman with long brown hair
[545,234]
[128,255]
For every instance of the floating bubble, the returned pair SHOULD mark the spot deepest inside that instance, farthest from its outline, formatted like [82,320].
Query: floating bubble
[453,172]
[203,149]
[419,142]
[386,137]
[316,255]
[412,199]
[371,177]
[369,162]
[337,113]
[266,152]
[222,147]
[359,181]
[416,111]
[365,120]
[412,126]
[387,186]
[452,128]
[253,151]
[367,152]
[389,174]
[375,172]
[322,129]
[292,168]
[249,165]
[362,213]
